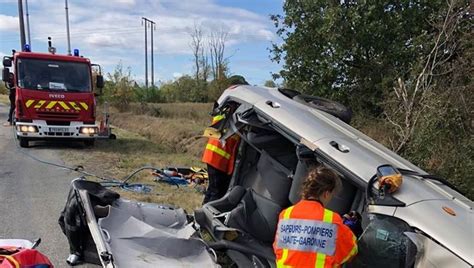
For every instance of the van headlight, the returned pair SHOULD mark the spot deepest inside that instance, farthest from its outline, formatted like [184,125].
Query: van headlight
[25,128]
[88,130]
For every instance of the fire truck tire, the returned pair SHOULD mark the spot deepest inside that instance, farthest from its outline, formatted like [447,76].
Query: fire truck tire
[89,143]
[24,143]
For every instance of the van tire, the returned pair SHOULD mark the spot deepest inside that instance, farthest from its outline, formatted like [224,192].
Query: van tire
[24,143]
[329,106]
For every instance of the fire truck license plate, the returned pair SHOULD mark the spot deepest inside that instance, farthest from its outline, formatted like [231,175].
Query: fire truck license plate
[58,129]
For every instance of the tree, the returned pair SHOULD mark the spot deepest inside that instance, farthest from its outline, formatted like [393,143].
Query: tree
[411,96]
[351,51]
[430,111]
[217,41]
[119,87]
[405,64]
[197,47]
[270,83]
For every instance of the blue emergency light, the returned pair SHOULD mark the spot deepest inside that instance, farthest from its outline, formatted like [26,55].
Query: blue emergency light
[76,52]
[27,48]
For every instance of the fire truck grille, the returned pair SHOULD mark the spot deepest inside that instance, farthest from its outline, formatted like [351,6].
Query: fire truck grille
[58,123]
[65,134]
[49,115]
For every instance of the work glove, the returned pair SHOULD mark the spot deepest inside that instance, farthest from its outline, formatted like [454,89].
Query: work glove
[353,220]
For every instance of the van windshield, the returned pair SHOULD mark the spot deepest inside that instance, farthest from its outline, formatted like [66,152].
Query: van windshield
[50,75]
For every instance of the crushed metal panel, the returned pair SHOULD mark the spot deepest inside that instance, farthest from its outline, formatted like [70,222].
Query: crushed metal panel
[135,242]
[97,235]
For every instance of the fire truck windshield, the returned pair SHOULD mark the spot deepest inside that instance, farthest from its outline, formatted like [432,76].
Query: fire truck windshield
[50,75]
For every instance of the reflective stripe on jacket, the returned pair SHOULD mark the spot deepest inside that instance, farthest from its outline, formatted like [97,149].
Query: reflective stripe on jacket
[221,157]
[309,235]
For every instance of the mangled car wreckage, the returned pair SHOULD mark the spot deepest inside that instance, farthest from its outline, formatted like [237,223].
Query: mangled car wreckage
[425,223]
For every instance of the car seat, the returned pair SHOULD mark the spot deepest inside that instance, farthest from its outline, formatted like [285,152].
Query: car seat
[341,202]
[253,209]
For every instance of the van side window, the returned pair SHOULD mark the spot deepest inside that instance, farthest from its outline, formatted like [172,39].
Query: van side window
[384,244]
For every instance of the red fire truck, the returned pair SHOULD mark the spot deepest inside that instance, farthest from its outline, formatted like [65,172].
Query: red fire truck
[54,96]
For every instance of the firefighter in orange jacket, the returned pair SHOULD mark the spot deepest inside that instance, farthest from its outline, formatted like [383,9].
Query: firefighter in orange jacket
[219,157]
[310,235]
[220,160]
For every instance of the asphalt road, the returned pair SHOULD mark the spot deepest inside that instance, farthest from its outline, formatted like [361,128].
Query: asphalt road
[33,194]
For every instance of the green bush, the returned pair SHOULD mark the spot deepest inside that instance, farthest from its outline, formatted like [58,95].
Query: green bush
[119,88]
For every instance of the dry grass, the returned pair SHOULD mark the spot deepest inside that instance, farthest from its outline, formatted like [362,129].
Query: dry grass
[375,128]
[4,99]
[171,139]
[176,126]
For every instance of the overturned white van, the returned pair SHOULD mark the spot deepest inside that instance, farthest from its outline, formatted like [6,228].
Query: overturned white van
[426,223]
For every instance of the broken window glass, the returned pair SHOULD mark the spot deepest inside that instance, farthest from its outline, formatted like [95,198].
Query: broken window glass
[384,244]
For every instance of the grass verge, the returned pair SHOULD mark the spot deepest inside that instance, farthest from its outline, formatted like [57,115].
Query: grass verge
[4,99]
[171,138]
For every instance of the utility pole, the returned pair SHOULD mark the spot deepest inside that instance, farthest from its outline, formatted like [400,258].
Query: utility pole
[67,29]
[28,23]
[145,22]
[152,28]
[22,24]
[151,23]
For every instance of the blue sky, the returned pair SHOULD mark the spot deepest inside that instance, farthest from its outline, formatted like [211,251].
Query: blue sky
[110,31]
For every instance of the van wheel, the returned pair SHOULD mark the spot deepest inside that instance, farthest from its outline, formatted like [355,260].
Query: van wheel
[89,143]
[24,143]
[329,106]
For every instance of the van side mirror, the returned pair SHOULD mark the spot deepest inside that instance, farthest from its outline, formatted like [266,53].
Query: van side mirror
[7,62]
[100,81]
[6,75]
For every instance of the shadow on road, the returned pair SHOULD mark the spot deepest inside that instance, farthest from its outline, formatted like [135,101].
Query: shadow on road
[58,145]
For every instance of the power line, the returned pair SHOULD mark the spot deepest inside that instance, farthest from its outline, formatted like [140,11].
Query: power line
[89,31]
[62,35]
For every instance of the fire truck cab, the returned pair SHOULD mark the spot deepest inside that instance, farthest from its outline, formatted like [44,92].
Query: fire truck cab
[55,97]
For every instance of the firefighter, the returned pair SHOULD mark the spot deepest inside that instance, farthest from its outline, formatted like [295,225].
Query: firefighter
[310,235]
[12,96]
[220,157]
[220,160]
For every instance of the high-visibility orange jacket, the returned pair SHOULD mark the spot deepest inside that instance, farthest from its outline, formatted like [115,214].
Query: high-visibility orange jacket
[221,157]
[309,235]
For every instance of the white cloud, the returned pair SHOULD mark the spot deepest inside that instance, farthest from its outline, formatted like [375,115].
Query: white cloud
[177,75]
[100,40]
[8,23]
[125,2]
[110,31]
[117,23]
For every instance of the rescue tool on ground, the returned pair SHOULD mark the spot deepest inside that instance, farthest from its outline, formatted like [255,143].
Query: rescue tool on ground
[55,96]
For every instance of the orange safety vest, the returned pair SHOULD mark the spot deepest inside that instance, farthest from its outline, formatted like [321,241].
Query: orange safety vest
[309,235]
[221,157]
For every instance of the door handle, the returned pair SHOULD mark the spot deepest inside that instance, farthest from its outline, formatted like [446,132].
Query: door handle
[340,147]
[273,104]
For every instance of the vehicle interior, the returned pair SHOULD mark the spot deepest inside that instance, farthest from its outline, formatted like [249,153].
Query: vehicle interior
[270,170]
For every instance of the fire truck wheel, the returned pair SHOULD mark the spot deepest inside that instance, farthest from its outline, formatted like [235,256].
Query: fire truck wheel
[89,143]
[24,143]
